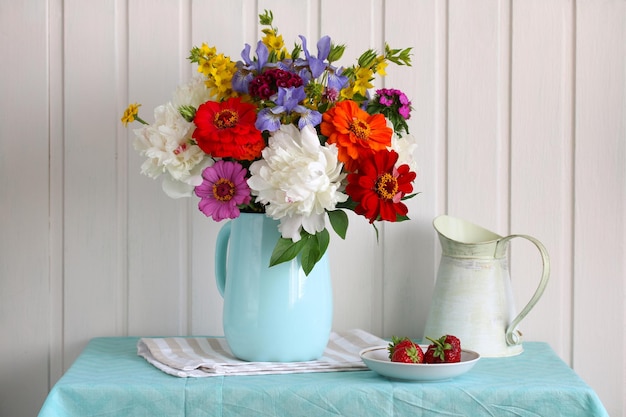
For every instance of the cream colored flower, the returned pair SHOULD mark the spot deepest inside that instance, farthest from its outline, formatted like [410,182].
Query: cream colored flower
[298,180]
[405,146]
[168,149]
[193,93]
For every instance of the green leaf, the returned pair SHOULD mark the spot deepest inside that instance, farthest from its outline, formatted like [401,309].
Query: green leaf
[349,204]
[188,112]
[336,52]
[398,56]
[339,222]
[266,18]
[367,58]
[311,248]
[323,240]
[314,249]
[295,53]
[285,250]
[310,254]
[406,197]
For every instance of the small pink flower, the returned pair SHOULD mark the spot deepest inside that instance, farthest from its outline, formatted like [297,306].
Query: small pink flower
[222,190]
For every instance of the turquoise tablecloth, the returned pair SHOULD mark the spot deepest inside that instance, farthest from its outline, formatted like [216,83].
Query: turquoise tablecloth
[109,379]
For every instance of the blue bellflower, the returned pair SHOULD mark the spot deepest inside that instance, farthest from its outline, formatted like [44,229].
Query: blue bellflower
[317,64]
[246,70]
[287,102]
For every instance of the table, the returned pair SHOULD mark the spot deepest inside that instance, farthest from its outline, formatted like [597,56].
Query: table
[109,379]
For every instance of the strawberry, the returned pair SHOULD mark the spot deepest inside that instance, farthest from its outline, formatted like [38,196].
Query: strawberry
[405,350]
[397,342]
[446,349]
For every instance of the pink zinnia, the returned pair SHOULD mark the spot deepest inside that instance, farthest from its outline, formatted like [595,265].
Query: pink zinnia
[222,190]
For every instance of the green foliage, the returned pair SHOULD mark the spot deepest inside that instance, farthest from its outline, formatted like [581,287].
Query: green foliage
[266,18]
[188,112]
[367,58]
[339,222]
[194,55]
[295,53]
[310,248]
[336,52]
[398,56]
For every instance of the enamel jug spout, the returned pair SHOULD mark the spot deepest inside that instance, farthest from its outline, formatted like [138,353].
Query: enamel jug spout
[473,298]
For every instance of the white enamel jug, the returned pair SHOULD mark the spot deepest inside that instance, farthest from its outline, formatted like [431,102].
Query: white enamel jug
[473,299]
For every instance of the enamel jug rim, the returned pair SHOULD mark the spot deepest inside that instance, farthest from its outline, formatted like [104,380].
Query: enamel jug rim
[460,230]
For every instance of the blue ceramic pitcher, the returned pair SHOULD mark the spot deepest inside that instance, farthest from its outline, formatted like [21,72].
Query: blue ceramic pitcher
[275,314]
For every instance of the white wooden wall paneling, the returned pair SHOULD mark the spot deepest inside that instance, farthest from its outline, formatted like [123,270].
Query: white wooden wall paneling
[599,199]
[541,163]
[56,193]
[24,197]
[158,232]
[519,116]
[90,218]
[477,151]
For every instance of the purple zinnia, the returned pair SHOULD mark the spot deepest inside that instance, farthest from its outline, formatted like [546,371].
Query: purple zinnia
[223,189]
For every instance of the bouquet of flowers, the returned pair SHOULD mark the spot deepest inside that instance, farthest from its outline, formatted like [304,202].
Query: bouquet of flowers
[287,133]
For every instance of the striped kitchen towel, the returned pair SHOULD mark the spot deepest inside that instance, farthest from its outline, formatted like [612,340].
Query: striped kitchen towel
[204,356]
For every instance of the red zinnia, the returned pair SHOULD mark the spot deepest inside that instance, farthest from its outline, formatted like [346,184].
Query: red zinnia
[226,130]
[378,187]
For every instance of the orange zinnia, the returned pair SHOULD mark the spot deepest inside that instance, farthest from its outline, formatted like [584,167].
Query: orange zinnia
[356,133]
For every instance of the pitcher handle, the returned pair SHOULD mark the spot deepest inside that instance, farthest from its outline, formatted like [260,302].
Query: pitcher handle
[221,250]
[513,337]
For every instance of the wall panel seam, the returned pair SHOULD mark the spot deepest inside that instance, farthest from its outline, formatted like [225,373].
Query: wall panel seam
[122,162]
[56,197]
[442,99]
[573,107]
[508,112]
[186,257]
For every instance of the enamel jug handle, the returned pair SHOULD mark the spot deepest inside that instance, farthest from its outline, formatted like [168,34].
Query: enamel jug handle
[513,337]
[221,252]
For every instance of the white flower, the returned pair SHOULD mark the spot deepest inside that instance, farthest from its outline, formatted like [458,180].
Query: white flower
[298,179]
[405,147]
[194,93]
[168,147]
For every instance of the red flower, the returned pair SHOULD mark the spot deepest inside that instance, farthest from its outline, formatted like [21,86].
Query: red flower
[226,130]
[378,187]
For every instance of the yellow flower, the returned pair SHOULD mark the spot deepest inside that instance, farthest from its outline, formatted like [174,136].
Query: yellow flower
[380,66]
[362,81]
[273,42]
[130,114]
[204,66]
[348,92]
[205,55]
[219,71]
[207,51]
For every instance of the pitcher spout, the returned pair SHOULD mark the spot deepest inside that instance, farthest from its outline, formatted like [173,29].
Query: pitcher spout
[462,239]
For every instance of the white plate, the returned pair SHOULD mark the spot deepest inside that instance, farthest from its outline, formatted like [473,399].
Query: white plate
[377,359]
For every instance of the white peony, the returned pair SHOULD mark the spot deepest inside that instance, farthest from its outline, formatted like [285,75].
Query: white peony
[169,149]
[405,146]
[194,93]
[298,179]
